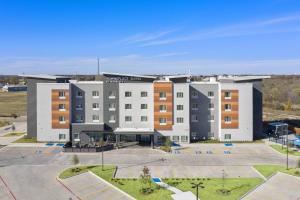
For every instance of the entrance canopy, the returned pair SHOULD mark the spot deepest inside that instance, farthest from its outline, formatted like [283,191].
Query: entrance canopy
[134,131]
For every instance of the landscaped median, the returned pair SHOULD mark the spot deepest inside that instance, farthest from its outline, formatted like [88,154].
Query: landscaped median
[268,170]
[283,150]
[14,134]
[216,188]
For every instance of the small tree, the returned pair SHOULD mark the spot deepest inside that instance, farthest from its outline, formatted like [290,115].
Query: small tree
[146,179]
[168,142]
[75,160]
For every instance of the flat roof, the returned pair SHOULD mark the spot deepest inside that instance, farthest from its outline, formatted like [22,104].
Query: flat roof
[242,78]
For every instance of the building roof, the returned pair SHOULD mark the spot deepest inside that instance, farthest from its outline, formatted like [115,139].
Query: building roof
[43,76]
[130,75]
[134,131]
[242,78]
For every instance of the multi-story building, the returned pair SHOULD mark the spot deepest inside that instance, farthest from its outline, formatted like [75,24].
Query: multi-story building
[144,108]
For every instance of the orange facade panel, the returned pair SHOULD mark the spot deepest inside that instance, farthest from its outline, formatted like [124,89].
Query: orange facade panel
[63,112]
[167,101]
[230,109]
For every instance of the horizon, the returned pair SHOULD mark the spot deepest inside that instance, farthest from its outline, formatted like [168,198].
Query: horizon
[143,37]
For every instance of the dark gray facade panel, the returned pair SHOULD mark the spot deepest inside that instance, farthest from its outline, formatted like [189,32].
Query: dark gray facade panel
[257,110]
[32,105]
[110,87]
[203,127]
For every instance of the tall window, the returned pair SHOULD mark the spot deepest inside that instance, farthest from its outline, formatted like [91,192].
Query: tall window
[79,93]
[194,94]
[128,118]
[144,94]
[227,107]
[144,118]
[127,106]
[112,95]
[95,118]
[95,93]
[62,106]
[162,108]
[144,106]
[194,106]
[127,94]
[112,119]
[162,121]
[194,118]
[227,119]
[227,95]
[112,107]
[179,94]
[179,120]
[61,94]
[211,94]
[162,95]
[61,119]
[95,106]
[179,107]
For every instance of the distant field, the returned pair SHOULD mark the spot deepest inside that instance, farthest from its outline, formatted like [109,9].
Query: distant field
[13,103]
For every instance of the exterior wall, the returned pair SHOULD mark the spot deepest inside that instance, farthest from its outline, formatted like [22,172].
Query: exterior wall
[244,131]
[45,131]
[233,113]
[179,129]
[204,129]
[257,110]
[56,113]
[168,101]
[87,101]
[32,105]
[136,100]
[111,87]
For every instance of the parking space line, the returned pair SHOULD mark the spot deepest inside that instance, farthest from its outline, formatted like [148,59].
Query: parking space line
[66,187]
[12,194]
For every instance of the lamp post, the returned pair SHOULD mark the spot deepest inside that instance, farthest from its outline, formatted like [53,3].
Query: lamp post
[197,186]
[287,149]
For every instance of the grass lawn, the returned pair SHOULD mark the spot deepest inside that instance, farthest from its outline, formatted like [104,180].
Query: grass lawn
[236,142]
[235,186]
[279,149]
[13,134]
[268,170]
[26,140]
[130,186]
[13,103]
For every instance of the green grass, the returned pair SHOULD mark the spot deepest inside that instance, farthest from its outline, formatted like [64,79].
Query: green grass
[26,140]
[268,170]
[280,150]
[236,186]
[236,142]
[4,123]
[130,186]
[13,103]
[13,134]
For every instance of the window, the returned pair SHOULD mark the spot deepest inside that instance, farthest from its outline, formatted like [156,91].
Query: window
[79,106]
[162,95]
[95,106]
[128,118]
[61,107]
[211,106]
[227,119]
[61,94]
[227,136]
[211,118]
[194,106]
[144,94]
[95,94]
[194,94]
[79,118]
[162,121]
[76,136]
[79,94]
[95,118]
[179,107]
[227,95]
[144,106]
[144,118]
[112,107]
[162,108]
[179,120]
[227,107]
[62,119]
[127,94]
[62,136]
[112,95]
[127,106]
[194,134]
[184,138]
[211,94]
[175,138]
[112,119]
[179,94]
[194,118]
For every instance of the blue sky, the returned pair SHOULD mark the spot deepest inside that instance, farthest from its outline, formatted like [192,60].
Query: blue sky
[138,36]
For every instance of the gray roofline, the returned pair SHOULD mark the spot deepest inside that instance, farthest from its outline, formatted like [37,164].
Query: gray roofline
[43,76]
[132,75]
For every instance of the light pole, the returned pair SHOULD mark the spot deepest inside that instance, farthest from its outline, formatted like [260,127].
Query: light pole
[197,186]
[287,149]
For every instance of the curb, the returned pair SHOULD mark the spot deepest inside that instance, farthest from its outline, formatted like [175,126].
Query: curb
[262,176]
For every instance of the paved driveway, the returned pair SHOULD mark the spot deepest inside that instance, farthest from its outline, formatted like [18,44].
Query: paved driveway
[89,187]
[280,186]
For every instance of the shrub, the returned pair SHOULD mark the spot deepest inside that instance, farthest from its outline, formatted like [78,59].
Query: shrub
[75,159]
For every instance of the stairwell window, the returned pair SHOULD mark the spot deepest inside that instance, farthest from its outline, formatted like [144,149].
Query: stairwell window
[227,95]
[162,95]
[227,119]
